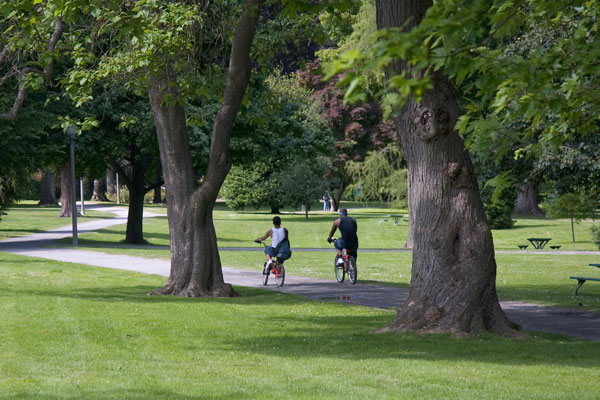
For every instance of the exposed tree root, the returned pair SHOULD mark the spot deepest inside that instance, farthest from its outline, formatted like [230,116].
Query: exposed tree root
[194,291]
[422,320]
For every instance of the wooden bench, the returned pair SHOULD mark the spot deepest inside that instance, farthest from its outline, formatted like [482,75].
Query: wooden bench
[581,280]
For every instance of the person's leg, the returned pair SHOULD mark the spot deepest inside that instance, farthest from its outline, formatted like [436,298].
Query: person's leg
[339,245]
[269,253]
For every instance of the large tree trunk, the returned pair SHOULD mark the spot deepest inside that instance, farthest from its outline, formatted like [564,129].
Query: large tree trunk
[410,238]
[195,262]
[526,202]
[336,198]
[66,202]
[98,194]
[47,191]
[134,233]
[157,191]
[133,176]
[275,209]
[453,281]
[111,186]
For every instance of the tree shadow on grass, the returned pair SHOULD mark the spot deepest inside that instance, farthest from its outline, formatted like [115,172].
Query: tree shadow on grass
[517,227]
[345,338]
[27,231]
[141,391]
[305,334]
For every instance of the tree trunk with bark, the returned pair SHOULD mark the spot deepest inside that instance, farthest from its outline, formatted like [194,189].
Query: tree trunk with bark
[410,238]
[526,202]
[157,198]
[134,233]
[336,198]
[111,186]
[453,281]
[275,209]
[195,263]
[98,194]
[47,191]
[66,202]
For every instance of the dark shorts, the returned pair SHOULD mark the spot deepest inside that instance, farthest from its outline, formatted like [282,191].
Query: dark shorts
[270,250]
[351,248]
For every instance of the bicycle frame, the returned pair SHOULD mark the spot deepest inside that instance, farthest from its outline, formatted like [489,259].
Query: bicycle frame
[276,269]
[349,266]
[345,257]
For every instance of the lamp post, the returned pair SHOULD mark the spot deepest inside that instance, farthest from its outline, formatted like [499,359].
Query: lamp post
[71,134]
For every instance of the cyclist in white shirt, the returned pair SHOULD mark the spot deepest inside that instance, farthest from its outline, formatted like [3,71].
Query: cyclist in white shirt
[280,244]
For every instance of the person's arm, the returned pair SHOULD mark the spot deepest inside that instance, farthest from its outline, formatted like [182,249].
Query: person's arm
[335,225]
[269,233]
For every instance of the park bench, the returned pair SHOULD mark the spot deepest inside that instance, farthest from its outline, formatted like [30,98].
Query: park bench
[555,247]
[581,279]
[523,246]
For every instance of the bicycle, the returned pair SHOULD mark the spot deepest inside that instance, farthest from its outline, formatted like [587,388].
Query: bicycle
[276,269]
[348,266]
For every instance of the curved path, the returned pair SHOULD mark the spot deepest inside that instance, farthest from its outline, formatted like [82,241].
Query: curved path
[580,324]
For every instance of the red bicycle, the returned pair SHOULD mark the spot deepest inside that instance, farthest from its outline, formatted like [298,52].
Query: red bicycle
[276,268]
[346,264]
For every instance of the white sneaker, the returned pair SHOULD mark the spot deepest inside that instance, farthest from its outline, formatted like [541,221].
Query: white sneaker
[340,261]
[267,266]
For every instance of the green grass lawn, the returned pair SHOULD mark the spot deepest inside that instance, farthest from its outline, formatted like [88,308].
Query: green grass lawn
[26,218]
[70,331]
[375,227]
[524,276]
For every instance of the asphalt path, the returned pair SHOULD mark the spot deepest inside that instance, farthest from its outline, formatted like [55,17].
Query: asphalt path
[531,317]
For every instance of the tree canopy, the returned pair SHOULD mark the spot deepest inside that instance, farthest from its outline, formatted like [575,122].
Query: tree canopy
[522,63]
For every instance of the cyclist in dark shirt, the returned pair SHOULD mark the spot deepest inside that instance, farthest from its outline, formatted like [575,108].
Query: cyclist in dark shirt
[348,228]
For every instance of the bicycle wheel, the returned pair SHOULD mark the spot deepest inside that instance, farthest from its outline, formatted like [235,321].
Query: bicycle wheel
[265,276]
[352,272]
[339,271]
[280,276]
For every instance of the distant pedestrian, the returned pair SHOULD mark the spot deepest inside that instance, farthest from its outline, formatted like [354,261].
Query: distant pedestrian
[325,202]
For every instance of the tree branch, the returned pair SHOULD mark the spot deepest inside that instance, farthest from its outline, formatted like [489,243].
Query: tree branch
[46,73]
[238,76]
[12,115]
[121,172]
[56,34]
[4,55]
[7,77]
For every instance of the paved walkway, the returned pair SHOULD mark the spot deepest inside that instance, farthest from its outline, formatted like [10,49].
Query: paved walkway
[580,324]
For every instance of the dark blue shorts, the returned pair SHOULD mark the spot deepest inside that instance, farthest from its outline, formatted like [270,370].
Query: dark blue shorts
[270,250]
[341,244]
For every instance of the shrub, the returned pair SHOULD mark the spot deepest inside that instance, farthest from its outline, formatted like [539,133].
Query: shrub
[499,214]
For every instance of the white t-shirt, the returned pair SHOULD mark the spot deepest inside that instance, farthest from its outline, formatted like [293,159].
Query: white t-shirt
[277,237]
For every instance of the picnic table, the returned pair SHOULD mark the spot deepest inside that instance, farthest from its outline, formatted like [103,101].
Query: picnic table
[581,279]
[396,218]
[539,243]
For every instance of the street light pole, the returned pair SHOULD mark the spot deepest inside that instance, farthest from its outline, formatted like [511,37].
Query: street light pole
[71,134]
